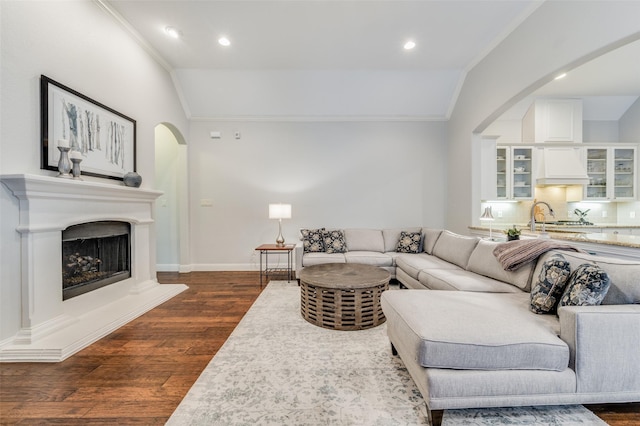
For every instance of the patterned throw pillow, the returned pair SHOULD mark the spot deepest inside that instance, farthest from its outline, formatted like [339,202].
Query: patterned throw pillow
[312,241]
[334,241]
[409,242]
[547,291]
[588,285]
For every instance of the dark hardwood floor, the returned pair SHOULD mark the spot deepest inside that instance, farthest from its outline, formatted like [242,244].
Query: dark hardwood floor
[140,373]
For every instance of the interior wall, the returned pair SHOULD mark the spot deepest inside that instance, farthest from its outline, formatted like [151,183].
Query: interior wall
[167,214]
[629,124]
[77,44]
[334,174]
[551,39]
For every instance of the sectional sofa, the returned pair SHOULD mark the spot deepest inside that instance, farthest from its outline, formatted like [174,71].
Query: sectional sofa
[477,343]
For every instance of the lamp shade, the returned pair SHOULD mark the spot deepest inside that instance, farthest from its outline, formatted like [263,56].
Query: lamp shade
[487,214]
[279,211]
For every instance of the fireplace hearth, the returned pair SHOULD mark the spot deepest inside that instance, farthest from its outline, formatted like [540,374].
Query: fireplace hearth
[94,255]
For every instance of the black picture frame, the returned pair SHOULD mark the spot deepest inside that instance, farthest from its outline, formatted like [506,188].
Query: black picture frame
[105,138]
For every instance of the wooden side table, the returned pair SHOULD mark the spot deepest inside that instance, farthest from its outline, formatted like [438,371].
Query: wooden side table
[265,249]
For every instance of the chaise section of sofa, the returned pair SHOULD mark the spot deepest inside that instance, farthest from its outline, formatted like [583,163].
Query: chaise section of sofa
[475,348]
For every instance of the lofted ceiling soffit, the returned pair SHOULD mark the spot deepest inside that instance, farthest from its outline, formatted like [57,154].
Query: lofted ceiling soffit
[303,58]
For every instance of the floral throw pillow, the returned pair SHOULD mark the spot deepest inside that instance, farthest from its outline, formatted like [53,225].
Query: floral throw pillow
[334,241]
[588,285]
[409,242]
[546,292]
[312,241]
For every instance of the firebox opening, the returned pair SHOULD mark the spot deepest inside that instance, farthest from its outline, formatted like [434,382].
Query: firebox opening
[94,255]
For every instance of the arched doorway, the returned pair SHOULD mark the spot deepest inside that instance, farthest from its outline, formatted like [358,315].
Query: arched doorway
[172,215]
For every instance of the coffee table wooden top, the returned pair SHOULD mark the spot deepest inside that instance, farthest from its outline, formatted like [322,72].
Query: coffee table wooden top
[344,275]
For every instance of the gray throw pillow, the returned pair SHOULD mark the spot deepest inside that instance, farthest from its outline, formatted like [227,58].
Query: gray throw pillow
[334,241]
[312,240]
[409,242]
[547,290]
[588,285]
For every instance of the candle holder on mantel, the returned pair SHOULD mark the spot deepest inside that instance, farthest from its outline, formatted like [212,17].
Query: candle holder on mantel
[75,169]
[64,166]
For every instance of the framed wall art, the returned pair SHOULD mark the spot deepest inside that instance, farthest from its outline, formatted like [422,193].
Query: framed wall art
[104,138]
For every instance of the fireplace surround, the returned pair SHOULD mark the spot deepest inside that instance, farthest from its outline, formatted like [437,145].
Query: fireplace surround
[53,328]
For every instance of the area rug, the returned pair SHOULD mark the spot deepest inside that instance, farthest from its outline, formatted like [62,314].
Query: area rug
[278,369]
[539,416]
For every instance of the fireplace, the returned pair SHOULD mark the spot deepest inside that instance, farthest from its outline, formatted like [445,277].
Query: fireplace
[109,226]
[94,255]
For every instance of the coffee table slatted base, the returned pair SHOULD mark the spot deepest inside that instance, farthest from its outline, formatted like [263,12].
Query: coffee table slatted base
[342,309]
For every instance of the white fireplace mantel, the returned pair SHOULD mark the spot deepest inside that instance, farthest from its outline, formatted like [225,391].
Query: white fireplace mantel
[53,329]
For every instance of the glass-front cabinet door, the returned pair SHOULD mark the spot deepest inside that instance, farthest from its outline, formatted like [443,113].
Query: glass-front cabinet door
[502,177]
[624,177]
[597,171]
[522,173]
[612,173]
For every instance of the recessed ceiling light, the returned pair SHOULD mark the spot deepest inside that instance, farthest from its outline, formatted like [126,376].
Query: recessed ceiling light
[563,75]
[409,45]
[173,32]
[224,41]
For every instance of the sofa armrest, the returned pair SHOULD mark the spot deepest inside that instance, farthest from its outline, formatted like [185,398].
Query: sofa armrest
[298,251]
[604,345]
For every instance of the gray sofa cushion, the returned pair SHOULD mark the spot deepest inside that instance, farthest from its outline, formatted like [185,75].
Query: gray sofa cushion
[499,332]
[310,259]
[623,274]
[364,240]
[392,236]
[455,248]
[369,258]
[461,280]
[430,238]
[412,264]
[482,261]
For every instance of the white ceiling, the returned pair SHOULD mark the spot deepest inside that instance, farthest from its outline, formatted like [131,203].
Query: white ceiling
[347,55]
[608,85]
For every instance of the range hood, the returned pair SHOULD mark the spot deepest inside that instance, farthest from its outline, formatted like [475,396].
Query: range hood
[561,166]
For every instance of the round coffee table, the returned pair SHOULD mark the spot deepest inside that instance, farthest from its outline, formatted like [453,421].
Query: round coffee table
[343,296]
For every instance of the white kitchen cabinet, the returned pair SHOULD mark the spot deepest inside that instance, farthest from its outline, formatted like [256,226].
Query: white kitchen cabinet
[522,173]
[612,173]
[502,160]
[553,120]
[508,172]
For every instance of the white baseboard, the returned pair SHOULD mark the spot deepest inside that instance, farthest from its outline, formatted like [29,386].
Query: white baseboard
[167,267]
[225,267]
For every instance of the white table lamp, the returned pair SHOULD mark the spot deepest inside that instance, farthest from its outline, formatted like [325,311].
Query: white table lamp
[280,211]
[488,217]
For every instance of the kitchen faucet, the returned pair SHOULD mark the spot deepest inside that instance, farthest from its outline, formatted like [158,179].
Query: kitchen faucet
[533,209]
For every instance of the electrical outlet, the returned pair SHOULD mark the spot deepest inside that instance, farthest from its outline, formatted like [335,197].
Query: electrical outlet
[499,213]
[604,213]
[237,134]
[632,214]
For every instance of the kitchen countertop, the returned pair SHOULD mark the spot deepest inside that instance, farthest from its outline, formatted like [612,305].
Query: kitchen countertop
[631,241]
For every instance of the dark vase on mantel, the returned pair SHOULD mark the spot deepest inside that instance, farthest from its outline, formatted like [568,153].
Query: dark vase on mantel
[132,179]
[513,237]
